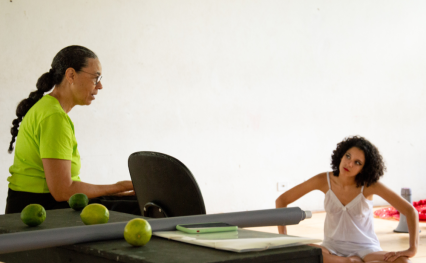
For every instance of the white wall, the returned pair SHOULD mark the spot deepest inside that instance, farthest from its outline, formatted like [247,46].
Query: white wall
[245,93]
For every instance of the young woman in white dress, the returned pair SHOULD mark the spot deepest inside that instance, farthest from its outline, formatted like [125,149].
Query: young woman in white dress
[348,229]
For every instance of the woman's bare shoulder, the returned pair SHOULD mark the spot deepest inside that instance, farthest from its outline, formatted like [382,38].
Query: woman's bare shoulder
[320,181]
[374,189]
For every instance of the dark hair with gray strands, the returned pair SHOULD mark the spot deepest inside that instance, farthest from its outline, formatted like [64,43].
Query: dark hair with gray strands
[70,57]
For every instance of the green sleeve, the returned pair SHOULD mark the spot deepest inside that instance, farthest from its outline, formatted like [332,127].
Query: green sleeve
[56,137]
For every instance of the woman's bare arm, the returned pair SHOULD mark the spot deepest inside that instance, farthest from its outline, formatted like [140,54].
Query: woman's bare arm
[404,208]
[58,178]
[288,197]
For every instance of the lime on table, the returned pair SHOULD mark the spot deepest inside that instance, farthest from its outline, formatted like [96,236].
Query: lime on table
[33,214]
[78,201]
[137,232]
[94,214]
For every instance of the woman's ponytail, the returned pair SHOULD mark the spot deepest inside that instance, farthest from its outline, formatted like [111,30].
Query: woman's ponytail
[44,84]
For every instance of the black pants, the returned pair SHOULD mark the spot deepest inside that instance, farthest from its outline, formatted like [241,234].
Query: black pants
[16,201]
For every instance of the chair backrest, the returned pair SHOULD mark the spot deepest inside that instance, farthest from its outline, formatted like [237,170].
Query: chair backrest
[161,181]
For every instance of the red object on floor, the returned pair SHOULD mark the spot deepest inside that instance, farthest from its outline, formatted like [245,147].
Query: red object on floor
[391,213]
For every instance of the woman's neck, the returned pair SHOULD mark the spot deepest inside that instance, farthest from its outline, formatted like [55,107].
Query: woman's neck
[345,182]
[63,97]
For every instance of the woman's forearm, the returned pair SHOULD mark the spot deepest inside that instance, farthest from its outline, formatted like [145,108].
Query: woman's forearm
[279,203]
[413,228]
[91,190]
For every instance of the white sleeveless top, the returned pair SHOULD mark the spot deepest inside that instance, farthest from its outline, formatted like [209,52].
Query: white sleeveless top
[349,230]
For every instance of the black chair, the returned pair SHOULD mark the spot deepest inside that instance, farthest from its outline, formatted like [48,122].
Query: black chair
[164,186]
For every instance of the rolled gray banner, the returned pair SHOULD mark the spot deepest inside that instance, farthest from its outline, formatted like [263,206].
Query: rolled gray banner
[22,241]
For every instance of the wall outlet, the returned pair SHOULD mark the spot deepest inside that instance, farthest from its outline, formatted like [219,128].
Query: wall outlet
[283,186]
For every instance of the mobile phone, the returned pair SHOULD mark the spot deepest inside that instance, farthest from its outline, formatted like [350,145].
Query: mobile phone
[206,228]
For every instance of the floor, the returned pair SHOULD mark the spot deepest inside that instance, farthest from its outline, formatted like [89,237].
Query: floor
[389,240]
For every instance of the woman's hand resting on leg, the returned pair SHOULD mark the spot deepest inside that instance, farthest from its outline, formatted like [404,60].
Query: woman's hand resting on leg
[391,256]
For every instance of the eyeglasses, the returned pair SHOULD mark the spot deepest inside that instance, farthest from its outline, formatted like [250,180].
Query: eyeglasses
[98,77]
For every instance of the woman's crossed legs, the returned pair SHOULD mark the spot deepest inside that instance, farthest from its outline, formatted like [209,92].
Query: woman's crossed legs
[375,257]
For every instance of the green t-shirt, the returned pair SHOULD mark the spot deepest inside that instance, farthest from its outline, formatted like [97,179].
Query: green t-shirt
[46,131]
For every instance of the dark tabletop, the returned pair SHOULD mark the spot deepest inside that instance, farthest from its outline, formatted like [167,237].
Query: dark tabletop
[157,249]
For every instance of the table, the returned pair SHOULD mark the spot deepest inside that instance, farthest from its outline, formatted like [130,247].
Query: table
[157,250]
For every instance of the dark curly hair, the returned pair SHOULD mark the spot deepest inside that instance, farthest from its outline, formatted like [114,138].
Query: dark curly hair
[374,166]
[70,57]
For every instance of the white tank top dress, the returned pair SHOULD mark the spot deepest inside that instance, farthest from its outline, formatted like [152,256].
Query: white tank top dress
[349,230]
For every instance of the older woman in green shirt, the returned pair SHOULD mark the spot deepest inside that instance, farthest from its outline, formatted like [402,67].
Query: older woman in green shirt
[46,166]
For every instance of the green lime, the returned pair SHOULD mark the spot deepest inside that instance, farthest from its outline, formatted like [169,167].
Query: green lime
[33,214]
[137,232]
[94,214]
[78,201]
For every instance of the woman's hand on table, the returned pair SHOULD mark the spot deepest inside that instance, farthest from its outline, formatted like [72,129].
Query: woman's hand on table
[125,186]
[125,193]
